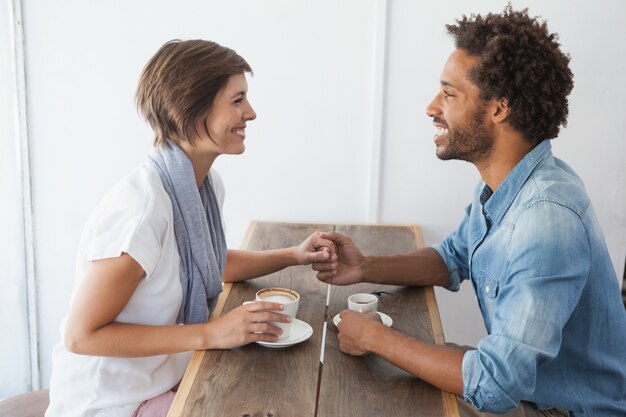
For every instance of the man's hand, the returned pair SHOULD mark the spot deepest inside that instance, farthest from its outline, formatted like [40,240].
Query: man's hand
[348,266]
[352,327]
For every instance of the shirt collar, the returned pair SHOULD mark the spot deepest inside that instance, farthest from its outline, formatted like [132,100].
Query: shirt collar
[498,203]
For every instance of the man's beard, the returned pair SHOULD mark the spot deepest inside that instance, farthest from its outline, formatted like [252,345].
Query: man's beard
[469,142]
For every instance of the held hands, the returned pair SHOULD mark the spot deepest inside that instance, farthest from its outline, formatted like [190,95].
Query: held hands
[246,324]
[315,249]
[353,328]
[336,259]
[346,267]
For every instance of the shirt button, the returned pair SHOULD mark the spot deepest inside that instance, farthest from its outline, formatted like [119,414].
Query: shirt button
[487,289]
[491,398]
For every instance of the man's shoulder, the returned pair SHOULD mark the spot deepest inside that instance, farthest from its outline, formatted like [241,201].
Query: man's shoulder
[555,182]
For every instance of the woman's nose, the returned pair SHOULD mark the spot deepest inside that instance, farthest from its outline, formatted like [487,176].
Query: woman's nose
[250,114]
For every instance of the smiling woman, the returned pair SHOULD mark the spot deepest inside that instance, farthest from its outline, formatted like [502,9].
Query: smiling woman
[174,104]
[223,131]
[155,246]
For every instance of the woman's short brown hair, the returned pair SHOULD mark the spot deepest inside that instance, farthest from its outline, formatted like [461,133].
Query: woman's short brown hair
[178,85]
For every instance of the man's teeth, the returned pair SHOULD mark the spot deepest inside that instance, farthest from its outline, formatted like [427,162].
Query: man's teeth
[441,131]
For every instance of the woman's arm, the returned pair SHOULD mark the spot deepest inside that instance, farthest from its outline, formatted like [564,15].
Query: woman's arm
[91,328]
[243,264]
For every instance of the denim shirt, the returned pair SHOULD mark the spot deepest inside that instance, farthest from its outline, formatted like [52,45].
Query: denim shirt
[547,291]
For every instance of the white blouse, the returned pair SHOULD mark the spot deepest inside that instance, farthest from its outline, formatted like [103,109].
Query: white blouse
[134,217]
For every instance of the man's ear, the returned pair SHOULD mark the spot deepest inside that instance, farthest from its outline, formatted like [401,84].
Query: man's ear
[501,110]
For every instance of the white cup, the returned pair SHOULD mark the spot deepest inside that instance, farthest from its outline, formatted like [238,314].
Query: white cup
[363,302]
[290,299]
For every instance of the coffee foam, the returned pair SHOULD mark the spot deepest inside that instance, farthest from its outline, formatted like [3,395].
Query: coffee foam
[278,296]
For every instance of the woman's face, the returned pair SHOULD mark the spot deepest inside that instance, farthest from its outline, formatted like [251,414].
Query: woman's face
[226,122]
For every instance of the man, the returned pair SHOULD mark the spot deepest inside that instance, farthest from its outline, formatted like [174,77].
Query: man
[530,242]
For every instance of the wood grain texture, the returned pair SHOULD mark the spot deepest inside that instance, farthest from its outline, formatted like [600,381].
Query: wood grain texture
[260,381]
[184,389]
[449,399]
[264,382]
[373,385]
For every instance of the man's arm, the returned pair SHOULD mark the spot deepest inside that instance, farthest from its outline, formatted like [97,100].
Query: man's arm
[439,365]
[421,268]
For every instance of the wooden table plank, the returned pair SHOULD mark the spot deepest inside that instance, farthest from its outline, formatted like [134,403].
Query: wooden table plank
[374,386]
[191,372]
[261,381]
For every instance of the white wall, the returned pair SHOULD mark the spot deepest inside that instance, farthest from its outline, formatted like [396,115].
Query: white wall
[308,153]
[14,343]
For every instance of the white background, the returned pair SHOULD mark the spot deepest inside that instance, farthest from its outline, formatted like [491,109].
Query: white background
[340,89]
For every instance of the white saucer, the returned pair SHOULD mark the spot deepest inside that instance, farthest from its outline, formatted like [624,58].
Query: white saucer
[300,331]
[387,321]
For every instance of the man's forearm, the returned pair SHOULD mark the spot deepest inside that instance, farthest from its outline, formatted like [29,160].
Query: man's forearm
[439,365]
[421,268]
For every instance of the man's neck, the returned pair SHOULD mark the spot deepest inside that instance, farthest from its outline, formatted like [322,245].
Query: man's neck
[508,150]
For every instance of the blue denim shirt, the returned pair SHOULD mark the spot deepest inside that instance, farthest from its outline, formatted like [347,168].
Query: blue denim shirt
[548,294]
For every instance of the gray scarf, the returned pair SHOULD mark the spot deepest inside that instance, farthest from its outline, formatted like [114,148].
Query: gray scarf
[198,230]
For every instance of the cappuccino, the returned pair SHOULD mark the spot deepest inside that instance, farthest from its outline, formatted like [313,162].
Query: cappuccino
[283,299]
[289,298]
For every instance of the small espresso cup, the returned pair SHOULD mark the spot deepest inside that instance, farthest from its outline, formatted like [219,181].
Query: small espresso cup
[363,302]
[290,299]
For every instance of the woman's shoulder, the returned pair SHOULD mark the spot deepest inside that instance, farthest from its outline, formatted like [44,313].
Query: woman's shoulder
[134,216]
[138,197]
[141,191]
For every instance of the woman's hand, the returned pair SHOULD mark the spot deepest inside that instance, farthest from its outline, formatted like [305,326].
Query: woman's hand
[348,266]
[246,324]
[315,249]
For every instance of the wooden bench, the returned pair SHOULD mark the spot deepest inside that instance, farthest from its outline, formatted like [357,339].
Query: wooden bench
[30,404]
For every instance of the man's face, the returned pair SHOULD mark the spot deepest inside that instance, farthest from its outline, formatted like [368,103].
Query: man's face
[458,113]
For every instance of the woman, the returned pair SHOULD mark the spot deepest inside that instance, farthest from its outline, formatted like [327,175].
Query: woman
[153,254]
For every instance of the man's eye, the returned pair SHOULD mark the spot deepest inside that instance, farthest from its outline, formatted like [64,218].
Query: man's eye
[447,94]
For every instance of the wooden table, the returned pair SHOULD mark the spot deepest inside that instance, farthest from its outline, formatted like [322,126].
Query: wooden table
[257,381]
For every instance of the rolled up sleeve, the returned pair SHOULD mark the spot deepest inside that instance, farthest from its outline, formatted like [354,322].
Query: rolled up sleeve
[454,252]
[479,389]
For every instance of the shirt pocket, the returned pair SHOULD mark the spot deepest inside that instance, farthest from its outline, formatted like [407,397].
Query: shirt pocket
[487,290]
[490,285]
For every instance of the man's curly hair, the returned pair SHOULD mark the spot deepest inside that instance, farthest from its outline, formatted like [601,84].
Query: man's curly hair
[518,59]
